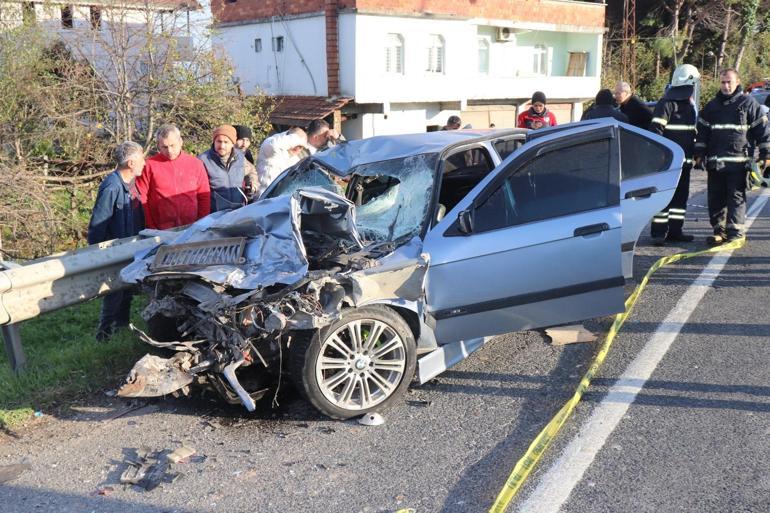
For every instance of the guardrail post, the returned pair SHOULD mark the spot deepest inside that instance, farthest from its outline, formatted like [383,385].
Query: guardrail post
[13,347]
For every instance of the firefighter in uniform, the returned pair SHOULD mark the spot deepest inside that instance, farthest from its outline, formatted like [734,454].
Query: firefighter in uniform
[728,125]
[674,118]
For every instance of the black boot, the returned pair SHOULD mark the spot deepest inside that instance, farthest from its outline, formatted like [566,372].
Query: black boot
[680,237]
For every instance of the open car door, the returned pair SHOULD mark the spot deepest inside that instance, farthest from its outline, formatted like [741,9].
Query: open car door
[650,166]
[536,243]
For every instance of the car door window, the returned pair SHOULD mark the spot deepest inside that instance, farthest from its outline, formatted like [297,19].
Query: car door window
[461,172]
[557,183]
[640,155]
[505,147]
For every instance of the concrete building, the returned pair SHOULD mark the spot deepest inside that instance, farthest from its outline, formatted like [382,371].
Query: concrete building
[401,66]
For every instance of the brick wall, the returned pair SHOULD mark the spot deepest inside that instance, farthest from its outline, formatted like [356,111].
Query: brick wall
[542,11]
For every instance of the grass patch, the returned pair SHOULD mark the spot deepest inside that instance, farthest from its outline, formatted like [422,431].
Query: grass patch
[65,360]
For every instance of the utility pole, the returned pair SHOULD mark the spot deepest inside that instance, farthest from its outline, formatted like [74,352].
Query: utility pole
[628,50]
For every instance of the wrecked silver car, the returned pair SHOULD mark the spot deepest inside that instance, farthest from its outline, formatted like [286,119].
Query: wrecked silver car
[360,259]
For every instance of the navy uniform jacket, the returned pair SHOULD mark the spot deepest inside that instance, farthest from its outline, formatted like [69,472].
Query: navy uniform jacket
[116,213]
[727,127]
[674,118]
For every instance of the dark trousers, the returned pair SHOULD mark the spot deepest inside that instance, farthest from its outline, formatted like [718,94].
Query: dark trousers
[727,201]
[669,221]
[116,308]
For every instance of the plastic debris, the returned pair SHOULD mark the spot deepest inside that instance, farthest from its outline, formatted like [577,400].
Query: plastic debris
[372,419]
[39,414]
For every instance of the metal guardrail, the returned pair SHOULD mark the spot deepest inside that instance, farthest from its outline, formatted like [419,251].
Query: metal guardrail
[65,279]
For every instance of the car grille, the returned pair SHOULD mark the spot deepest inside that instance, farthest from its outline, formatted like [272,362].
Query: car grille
[190,255]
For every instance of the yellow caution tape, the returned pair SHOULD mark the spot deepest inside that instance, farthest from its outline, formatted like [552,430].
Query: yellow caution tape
[538,446]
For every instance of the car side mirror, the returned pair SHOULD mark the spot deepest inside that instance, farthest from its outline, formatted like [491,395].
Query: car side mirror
[465,222]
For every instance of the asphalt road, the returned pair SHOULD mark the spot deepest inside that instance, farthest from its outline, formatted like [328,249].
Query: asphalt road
[695,439]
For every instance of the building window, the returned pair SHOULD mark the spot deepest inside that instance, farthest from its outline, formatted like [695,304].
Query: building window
[278,44]
[96,18]
[435,54]
[577,64]
[540,60]
[28,12]
[483,56]
[394,54]
[258,45]
[66,16]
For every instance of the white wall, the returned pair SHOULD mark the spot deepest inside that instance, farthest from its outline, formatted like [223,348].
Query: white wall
[461,79]
[279,72]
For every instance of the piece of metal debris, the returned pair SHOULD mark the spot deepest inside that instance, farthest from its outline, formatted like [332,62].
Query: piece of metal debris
[418,402]
[11,472]
[179,454]
[571,334]
[148,470]
[153,376]
[372,419]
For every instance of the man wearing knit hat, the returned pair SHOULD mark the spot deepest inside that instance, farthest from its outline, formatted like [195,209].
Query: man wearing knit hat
[537,116]
[604,107]
[174,187]
[243,142]
[228,170]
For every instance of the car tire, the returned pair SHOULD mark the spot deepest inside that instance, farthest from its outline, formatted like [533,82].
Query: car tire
[343,378]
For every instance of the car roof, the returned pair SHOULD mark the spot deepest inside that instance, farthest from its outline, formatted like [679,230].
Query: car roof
[350,154]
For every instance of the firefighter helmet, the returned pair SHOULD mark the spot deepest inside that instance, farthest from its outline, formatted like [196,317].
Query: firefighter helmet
[685,74]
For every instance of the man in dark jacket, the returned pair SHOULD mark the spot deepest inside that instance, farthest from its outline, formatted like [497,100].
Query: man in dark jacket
[228,170]
[674,118]
[117,213]
[638,113]
[603,108]
[727,126]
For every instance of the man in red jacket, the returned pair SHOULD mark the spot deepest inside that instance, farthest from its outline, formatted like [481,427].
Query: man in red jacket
[174,185]
[537,116]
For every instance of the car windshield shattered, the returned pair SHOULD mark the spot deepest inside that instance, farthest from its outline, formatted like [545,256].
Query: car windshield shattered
[242,297]
[392,197]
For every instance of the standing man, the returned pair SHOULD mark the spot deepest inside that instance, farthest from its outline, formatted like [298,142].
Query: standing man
[117,213]
[727,126]
[604,107]
[228,170]
[674,118]
[277,153]
[320,136]
[243,141]
[638,113]
[174,185]
[537,116]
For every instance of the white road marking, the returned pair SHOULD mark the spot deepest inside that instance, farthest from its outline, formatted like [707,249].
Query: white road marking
[558,482]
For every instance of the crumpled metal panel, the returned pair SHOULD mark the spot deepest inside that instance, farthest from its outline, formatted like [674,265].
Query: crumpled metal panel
[344,157]
[274,252]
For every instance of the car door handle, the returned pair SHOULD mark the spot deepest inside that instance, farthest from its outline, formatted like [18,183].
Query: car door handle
[642,193]
[590,229]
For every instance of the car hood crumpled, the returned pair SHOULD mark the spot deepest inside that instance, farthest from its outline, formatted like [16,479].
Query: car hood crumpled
[274,252]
